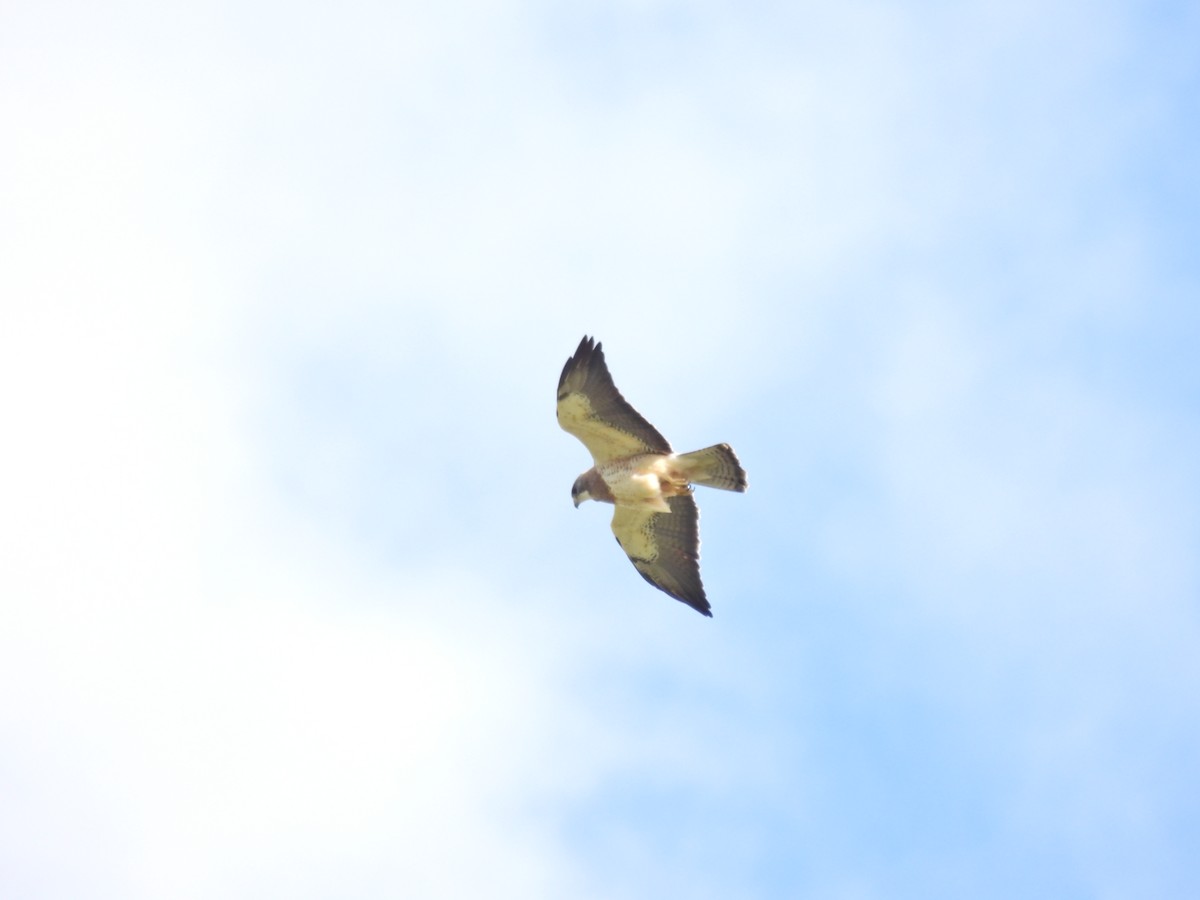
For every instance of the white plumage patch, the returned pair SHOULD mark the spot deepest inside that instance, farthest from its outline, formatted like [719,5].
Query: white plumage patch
[636,482]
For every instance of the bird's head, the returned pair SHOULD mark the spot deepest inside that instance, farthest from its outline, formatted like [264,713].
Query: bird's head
[579,490]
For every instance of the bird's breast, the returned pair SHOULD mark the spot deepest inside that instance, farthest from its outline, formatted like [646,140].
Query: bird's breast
[638,481]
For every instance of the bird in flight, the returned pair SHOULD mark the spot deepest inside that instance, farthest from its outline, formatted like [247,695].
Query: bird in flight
[656,520]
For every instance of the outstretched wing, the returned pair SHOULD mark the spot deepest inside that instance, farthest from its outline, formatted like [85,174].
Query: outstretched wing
[591,408]
[665,548]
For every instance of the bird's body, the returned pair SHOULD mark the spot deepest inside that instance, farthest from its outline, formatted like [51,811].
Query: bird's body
[655,520]
[641,481]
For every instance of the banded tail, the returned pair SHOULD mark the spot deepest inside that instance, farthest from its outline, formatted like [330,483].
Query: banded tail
[715,466]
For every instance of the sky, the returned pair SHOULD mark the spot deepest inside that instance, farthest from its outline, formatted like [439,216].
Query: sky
[293,599]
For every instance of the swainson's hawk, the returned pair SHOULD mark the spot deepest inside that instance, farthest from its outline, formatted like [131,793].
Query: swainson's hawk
[656,520]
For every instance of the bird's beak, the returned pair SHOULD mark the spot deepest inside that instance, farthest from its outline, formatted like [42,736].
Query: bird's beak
[577,500]
[580,497]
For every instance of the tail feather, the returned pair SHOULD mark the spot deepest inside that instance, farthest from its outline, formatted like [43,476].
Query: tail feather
[715,466]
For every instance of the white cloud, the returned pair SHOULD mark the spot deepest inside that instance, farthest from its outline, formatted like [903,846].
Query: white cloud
[265,267]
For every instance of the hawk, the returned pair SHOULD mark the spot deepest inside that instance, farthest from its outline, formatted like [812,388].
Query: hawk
[655,520]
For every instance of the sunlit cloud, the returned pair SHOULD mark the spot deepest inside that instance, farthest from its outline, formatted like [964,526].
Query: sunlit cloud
[293,599]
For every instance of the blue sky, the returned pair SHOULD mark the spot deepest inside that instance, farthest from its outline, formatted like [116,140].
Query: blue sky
[294,602]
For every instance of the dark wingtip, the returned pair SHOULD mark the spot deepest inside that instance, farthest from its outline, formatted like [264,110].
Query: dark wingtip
[695,599]
[589,349]
[582,357]
[699,603]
